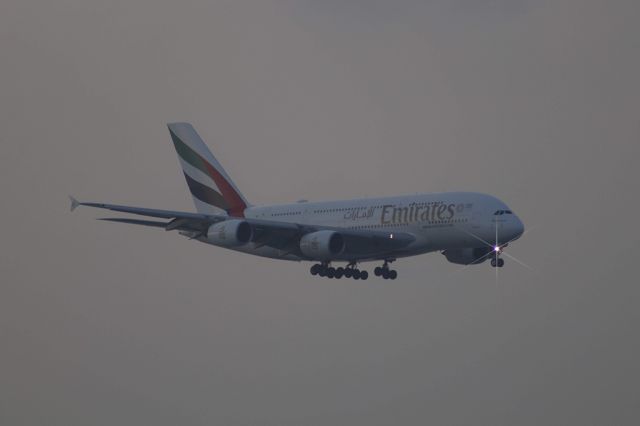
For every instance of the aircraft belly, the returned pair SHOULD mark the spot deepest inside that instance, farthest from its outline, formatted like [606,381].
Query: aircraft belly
[428,239]
[264,251]
[447,236]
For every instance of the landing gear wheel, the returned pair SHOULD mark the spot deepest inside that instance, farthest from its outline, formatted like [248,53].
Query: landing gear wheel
[384,271]
[364,275]
[500,263]
[494,263]
[331,272]
[348,273]
[339,273]
[356,274]
[315,269]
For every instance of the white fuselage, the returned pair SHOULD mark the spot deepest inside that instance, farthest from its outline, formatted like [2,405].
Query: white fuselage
[438,221]
[467,227]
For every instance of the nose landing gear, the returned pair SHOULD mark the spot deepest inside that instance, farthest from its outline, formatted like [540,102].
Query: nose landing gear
[499,263]
[496,260]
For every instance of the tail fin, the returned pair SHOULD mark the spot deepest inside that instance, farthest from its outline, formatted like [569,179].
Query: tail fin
[212,189]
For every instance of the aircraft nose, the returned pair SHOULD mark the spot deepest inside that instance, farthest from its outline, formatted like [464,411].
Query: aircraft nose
[518,227]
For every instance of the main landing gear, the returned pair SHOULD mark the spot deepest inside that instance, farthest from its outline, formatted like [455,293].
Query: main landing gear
[325,270]
[384,271]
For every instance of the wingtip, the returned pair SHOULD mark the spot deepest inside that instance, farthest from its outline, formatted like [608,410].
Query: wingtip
[74,203]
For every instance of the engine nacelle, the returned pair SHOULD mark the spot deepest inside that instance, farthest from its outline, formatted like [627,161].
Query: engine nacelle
[230,233]
[322,245]
[467,256]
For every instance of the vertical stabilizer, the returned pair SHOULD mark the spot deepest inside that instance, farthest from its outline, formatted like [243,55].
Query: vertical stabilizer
[211,187]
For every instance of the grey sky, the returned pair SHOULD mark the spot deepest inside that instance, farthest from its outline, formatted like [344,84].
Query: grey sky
[534,102]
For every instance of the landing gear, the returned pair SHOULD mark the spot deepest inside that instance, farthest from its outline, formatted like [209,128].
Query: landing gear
[315,269]
[360,275]
[322,270]
[387,274]
[325,270]
[351,271]
[384,271]
[497,262]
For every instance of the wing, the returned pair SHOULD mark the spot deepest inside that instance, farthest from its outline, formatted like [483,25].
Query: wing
[360,244]
[196,223]
[283,236]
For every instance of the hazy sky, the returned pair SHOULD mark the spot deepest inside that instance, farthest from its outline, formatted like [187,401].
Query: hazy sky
[536,102]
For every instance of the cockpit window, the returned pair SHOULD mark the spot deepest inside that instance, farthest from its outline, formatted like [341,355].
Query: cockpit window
[508,212]
[501,212]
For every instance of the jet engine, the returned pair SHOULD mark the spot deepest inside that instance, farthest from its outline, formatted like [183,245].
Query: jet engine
[322,245]
[230,233]
[467,256]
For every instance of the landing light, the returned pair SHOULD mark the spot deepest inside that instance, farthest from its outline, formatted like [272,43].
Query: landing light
[391,236]
[496,249]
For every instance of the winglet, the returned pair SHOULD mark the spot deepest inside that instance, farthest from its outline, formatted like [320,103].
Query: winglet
[74,203]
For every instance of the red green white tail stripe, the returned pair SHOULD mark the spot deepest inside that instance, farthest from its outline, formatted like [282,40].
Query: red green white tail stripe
[212,189]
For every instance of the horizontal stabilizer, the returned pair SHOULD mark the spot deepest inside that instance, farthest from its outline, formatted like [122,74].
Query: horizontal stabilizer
[135,221]
[162,214]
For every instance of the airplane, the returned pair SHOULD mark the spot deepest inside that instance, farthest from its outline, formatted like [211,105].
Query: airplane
[466,227]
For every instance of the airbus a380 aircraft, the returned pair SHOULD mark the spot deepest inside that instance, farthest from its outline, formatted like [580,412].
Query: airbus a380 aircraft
[468,228]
